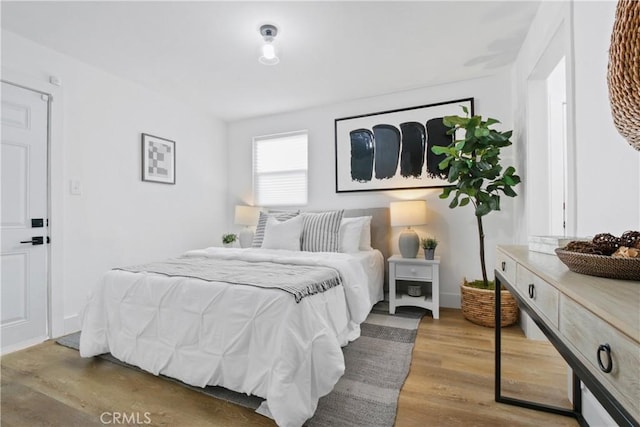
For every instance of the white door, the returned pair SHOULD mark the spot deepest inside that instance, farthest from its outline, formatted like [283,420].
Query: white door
[24,204]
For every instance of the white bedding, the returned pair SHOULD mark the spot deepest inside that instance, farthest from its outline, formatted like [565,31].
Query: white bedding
[251,340]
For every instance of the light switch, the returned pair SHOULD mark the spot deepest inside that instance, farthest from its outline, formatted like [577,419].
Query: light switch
[75,187]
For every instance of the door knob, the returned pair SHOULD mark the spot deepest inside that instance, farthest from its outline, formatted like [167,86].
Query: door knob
[36,240]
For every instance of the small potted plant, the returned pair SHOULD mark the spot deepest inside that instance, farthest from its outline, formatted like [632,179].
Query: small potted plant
[228,239]
[429,245]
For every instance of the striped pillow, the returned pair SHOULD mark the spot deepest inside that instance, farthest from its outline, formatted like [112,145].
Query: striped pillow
[321,231]
[258,237]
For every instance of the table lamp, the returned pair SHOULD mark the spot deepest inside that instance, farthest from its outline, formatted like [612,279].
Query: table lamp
[247,216]
[406,214]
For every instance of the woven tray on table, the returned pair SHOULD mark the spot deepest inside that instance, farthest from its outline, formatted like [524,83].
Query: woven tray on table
[601,265]
[478,306]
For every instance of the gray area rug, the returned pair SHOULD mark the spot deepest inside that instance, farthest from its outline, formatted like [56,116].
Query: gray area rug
[377,365]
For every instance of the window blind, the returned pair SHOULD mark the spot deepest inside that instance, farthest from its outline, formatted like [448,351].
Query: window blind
[280,169]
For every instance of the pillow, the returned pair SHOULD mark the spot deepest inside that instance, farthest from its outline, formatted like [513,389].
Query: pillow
[283,234]
[365,237]
[262,222]
[321,231]
[351,230]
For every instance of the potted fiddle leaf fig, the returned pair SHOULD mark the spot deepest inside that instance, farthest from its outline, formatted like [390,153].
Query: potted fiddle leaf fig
[478,179]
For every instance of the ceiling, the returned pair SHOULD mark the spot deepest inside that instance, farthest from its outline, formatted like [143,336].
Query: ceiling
[206,53]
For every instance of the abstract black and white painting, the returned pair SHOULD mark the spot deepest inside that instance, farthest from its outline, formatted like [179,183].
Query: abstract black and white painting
[158,159]
[391,150]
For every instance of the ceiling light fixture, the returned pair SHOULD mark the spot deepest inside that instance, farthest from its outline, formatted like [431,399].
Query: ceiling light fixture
[268,56]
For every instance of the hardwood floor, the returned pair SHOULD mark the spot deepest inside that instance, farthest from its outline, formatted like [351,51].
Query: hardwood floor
[450,384]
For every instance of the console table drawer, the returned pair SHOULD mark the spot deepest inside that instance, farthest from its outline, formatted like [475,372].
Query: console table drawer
[541,295]
[507,266]
[408,272]
[588,333]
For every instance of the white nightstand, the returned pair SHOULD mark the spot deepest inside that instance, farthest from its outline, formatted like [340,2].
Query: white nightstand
[415,270]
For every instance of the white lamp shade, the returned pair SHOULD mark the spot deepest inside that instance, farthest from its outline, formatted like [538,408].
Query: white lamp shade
[408,213]
[247,215]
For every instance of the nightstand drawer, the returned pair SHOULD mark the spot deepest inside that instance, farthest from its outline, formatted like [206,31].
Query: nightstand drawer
[413,272]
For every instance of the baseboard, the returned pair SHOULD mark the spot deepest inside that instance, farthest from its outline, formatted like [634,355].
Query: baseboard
[449,300]
[22,345]
[71,324]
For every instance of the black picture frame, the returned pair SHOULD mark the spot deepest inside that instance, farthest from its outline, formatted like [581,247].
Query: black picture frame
[158,159]
[391,150]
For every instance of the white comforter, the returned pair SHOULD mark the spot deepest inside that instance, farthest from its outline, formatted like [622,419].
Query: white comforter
[251,340]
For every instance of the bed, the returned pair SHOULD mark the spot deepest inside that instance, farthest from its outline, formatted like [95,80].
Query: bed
[280,345]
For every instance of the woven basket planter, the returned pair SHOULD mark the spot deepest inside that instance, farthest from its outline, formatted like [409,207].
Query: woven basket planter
[623,75]
[478,306]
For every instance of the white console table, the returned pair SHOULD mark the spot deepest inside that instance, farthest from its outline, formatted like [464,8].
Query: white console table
[593,322]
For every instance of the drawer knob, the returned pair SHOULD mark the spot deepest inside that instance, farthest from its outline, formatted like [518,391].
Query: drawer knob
[604,348]
[504,266]
[531,290]
[413,270]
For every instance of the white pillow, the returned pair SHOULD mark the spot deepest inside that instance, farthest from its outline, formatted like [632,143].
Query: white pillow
[365,237]
[355,234]
[283,234]
[350,232]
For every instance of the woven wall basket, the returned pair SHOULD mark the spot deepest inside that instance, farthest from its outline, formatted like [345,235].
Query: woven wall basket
[623,76]
[478,306]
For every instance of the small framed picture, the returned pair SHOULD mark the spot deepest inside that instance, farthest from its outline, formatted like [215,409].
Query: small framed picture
[158,159]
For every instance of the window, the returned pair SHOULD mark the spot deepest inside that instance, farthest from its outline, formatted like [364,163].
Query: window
[280,169]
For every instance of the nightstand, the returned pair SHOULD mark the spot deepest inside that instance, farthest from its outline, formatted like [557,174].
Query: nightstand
[414,270]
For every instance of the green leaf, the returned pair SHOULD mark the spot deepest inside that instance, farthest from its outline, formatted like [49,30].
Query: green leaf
[491,121]
[482,209]
[465,109]
[445,192]
[465,201]
[479,132]
[453,203]
[494,202]
[439,150]
[445,163]
[508,191]
[451,121]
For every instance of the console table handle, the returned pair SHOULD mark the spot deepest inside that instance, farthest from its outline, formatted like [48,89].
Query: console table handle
[531,290]
[504,265]
[607,350]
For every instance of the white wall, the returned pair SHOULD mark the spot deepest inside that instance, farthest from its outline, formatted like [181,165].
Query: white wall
[119,219]
[608,188]
[456,229]
[603,168]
